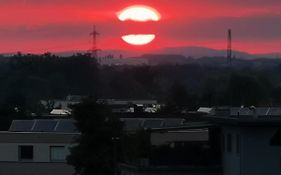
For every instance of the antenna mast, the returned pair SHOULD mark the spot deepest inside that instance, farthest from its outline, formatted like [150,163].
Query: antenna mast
[229,47]
[94,50]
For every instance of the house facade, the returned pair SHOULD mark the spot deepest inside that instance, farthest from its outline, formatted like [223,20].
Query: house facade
[247,135]
[33,152]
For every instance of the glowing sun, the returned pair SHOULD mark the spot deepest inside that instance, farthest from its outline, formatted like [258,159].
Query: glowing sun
[139,13]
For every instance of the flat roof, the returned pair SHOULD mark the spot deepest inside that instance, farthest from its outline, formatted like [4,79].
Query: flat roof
[37,137]
[246,116]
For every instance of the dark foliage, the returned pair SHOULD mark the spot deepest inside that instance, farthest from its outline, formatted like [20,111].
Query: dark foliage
[136,147]
[181,87]
[49,76]
[98,146]
[182,154]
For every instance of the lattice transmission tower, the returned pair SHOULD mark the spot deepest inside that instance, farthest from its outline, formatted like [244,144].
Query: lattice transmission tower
[229,47]
[94,50]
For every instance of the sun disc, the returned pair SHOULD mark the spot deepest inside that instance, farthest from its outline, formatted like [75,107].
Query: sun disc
[140,39]
[139,13]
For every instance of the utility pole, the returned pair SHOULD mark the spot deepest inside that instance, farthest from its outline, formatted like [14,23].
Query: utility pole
[94,50]
[229,47]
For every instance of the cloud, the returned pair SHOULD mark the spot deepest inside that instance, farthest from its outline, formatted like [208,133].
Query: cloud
[246,28]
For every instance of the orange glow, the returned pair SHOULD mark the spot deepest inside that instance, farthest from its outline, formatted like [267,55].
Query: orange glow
[138,39]
[139,13]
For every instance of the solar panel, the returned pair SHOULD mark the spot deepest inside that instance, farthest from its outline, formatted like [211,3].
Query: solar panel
[274,112]
[44,125]
[262,111]
[21,126]
[66,126]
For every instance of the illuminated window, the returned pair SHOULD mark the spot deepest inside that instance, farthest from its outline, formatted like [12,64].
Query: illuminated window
[57,154]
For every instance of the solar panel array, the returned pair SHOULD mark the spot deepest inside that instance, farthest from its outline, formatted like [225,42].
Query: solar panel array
[274,112]
[21,125]
[138,123]
[258,111]
[43,125]
[66,125]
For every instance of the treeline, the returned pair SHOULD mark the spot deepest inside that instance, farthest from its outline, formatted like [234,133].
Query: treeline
[192,85]
[26,79]
[47,76]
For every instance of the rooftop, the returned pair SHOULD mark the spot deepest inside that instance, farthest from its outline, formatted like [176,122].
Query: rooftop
[127,102]
[44,125]
[132,124]
[246,115]
[161,124]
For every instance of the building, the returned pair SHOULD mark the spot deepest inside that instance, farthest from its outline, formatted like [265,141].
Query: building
[60,112]
[168,170]
[134,124]
[33,147]
[131,106]
[64,104]
[177,148]
[180,136]
[251,139]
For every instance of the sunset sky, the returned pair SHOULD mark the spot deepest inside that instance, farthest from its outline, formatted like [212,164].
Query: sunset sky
[63,25]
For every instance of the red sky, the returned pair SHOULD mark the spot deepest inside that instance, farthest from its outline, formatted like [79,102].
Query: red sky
[63,25]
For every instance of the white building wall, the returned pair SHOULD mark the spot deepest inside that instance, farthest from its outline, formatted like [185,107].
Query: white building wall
[8,152]
[259,157]
[41,152]
[231,160]
[256,157]
[33,168]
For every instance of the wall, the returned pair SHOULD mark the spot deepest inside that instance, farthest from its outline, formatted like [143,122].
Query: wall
[41,164]
[165,170]
[41,152]
[16,168]
[260,158]
[231,160]
[256,157]
[160,138]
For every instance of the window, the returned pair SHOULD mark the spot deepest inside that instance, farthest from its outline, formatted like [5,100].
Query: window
[228,143]
[25,152]
[57,154]
[237,143]
[223,142]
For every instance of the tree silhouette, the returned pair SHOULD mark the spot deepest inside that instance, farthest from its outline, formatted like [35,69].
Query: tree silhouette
[96,152]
